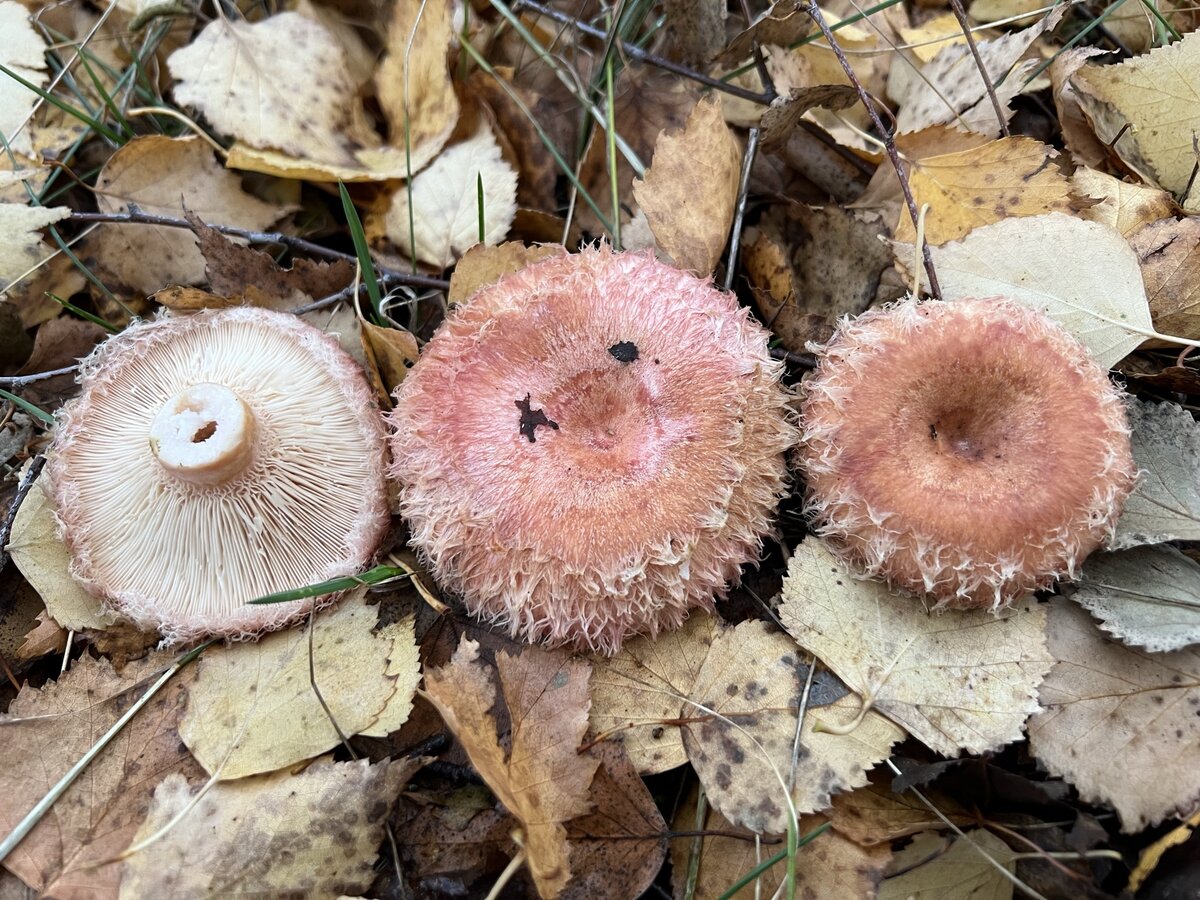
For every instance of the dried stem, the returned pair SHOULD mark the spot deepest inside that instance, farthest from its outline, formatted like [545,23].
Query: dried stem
[11,381]
[735,239]
[965,25]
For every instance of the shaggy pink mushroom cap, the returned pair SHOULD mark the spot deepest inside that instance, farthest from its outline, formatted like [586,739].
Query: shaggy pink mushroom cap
[970,451]
[214,458]
[592,447]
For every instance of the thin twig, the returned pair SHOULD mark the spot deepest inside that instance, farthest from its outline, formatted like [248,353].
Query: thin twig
[889,141]
[965,24]
[137,217]
[641,55]
[759,63]
[735,238]
[795,360]
[28,477]
[11,381]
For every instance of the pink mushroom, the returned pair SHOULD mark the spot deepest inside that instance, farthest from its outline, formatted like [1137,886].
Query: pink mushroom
[591,447]
[214,458]
[969,451]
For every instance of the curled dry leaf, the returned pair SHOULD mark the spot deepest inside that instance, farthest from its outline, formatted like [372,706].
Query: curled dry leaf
[166,176]
[690,190]
[646,686]
[933,867]
[445,203]
[1081,141]
[957,681]
[753,680]
[1169,251]
[543,780]
[1082,274]
[46,731]
[1147,596]
[1120,724]
[45,562]
[23,52]
[312,834]
[1165,505]
[253,709]
[483,265]
[389,353]
[1120,204]
[20,244]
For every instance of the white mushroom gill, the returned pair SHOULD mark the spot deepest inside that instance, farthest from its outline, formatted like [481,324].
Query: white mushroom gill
[216,458]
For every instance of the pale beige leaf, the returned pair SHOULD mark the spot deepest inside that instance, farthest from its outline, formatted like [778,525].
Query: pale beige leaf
[69,854]
[1078,135]
[690,190]
[646,686]
[1011,177]
[22,51]
[955,681]
[753,679]
[968,868]
[312,834]
[1158,95]
[1119,723]
[20,244]
[1147,596]
[166,176]
[543,780]
[445,203]
[483,265]
[1169,251]
[253,709]
[1124,206]
[413,80]
[1165,505]
[45,562]
[1082,274]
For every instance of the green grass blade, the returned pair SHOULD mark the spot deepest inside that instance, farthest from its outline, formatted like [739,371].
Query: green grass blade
[777,858]
[84,314]
[363,253]
[35,411]
[95,124]
[479,204]
[333,585]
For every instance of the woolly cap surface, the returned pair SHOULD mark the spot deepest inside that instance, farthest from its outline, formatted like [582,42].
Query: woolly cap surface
[971,451]
[591,447]
[215,458]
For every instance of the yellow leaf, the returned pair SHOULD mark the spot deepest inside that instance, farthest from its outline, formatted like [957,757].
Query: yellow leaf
[389,352]
[483,265]
[1123,206]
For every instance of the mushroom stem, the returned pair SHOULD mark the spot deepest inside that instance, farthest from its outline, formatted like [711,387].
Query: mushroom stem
[204,434]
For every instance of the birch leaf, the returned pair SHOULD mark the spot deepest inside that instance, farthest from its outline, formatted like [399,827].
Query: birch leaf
[1165,505]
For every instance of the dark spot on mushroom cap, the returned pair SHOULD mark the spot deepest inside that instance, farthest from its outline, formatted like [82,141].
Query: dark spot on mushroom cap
[624,351]
[531,419]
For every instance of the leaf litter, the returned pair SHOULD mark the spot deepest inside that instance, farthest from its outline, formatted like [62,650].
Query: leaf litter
[1059,175]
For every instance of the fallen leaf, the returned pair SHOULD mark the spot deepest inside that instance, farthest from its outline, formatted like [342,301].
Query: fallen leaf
[483,265]
[876,815]
[695,32]
[958,681]
[1084,275]
[68,854]
[1011,177]
[413,80]
[312,834]
[23,52]
[543,780]
[1147,596]
[1158,96]
[390,352]
[46,638]
[741,737]
[21,246]
[45,562]
[1165,504]
[934,35]
[785,113]
[165,176]
[944,868]
[1118,723]
[445,203]
[1124,206]
[1078,135]
[640,695]
[1151,856]
[20,614]
[252,707]
[1169,251]
[690,190]
[1140,28]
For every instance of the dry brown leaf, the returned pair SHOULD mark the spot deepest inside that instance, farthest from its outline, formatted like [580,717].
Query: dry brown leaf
[695,31]
[753,680]
[876,815]
[23,609]
[1082,144]
[646,686]
[45,562]
[1165,504]
[1119,723]
[1169,252]
[47,731]
[413,80]
[1158,95]
[23,52]
[1140,28]
[619,847]
[312,834]
[390,352]
[47,637]
[483,265]
[445,203]
[543,780]
[252,707]
[785,112]
[957,681]
[164,176]
[537,172]
[1123,206]
[690,190]
[1014,176]
[21,246]
[944,868]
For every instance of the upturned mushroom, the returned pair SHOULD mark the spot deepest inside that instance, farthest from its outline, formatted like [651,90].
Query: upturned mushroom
[969,451]
[591,447]
[215,458]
